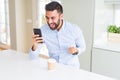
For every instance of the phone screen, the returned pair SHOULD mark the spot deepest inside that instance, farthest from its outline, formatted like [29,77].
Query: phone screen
[37,31]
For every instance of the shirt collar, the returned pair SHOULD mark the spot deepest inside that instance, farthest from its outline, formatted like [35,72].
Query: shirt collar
[63,25]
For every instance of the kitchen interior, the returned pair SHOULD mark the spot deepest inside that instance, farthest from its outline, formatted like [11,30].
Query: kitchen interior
[93,17]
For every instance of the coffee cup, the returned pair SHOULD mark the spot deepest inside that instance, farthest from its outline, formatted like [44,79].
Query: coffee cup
[51,64]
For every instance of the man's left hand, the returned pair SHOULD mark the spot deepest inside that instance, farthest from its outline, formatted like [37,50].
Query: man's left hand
[73,50]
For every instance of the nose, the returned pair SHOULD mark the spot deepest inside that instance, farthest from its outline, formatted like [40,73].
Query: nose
[49,21]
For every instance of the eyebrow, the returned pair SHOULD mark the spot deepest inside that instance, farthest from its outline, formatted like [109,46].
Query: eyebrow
[50,17]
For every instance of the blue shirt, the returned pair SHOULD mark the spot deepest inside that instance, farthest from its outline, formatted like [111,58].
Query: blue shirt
[58,43]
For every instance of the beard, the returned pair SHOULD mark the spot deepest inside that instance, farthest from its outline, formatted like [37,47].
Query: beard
[55,24]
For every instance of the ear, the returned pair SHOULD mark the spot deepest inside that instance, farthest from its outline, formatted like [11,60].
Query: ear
[61,16]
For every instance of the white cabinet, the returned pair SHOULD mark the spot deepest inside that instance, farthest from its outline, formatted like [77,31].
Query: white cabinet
[106,62]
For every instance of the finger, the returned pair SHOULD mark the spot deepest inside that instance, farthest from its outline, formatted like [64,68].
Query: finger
[38,38]
[74,51]
[34,36]
[39,41]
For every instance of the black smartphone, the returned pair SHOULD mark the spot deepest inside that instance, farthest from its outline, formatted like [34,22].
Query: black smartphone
[37,31]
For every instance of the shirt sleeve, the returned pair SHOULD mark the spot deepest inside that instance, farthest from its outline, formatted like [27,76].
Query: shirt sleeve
[80,41]
[34,55]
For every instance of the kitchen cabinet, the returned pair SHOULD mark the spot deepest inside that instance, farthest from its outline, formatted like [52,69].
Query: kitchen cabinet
[106,62]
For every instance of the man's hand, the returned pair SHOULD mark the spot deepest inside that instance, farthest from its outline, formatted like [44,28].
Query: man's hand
[73,50]
[36,39]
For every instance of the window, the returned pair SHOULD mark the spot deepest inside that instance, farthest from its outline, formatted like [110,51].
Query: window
[4,22]
[105,14]
[117,15]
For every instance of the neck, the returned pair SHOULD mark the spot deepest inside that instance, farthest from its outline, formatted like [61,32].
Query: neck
[60,25]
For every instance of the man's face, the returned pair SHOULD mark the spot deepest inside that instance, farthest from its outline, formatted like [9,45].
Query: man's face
[53,19]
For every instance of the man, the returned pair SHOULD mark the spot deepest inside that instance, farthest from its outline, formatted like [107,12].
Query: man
[64,40]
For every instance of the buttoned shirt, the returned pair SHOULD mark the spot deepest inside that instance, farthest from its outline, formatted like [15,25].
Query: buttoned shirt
[58,42]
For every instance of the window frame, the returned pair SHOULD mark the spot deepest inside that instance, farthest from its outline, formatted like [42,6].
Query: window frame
[5,36]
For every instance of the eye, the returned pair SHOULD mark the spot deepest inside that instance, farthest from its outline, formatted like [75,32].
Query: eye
[47,17]
[52,18]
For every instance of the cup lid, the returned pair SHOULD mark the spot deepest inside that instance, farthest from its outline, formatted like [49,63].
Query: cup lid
[51,60]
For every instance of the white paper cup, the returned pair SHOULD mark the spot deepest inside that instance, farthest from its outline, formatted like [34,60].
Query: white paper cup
[51,64]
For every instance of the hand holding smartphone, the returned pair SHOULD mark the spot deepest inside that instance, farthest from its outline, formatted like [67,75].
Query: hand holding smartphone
[37,31]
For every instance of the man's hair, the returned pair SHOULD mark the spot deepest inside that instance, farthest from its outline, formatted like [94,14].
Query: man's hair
[54,5]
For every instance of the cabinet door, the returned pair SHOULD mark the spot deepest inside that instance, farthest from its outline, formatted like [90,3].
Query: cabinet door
[106,63]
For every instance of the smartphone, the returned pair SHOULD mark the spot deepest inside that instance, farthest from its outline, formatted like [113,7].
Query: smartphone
[37,31]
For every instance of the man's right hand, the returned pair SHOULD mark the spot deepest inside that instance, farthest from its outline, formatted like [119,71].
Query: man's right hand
[36,39]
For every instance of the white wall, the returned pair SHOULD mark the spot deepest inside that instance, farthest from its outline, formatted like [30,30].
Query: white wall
[20,31]
[12,24]
[81,12]
[29,26]
[20,24]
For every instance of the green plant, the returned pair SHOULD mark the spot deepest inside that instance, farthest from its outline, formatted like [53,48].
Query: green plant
[113,29]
